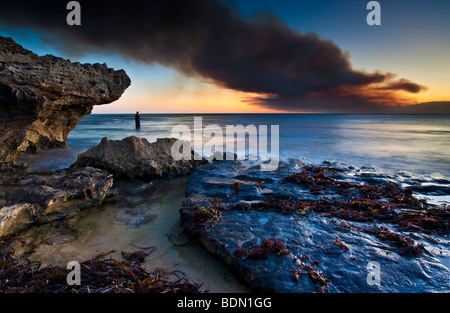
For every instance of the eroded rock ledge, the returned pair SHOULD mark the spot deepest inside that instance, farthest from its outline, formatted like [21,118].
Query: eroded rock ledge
[42,98]
[41,197]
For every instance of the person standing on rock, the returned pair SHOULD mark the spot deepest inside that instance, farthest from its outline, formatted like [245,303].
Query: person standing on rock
[137,119]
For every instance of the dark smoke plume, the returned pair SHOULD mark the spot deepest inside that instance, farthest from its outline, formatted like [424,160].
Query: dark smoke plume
[210,40]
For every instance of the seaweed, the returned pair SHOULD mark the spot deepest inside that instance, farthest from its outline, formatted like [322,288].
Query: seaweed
[135,257]
[405,245]
[318,182]
[415,217]
[364,202]
[235,187]
[313,178]
[263,250]
[282,206]
[316,277]
[432,222]
[339,243]
[204,217]
[356,209]
[98,275]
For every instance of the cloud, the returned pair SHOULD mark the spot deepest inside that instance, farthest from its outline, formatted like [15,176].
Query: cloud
[405,85]
[212,41]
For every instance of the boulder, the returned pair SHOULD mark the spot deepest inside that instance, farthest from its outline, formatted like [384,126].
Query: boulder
[136,158]
[34,198]
[42,98]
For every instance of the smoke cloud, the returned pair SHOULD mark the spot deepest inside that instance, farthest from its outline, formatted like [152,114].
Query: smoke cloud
[212,41]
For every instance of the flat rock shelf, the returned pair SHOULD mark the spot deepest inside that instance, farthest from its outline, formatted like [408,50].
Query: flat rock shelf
[324,228]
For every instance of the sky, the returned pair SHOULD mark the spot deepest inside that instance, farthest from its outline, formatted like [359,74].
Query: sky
[250,56]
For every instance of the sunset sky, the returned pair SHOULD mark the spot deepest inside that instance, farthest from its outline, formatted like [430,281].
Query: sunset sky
[403,61]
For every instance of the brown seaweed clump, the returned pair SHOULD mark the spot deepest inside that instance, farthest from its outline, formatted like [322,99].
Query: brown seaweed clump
[364,202]
[98,275]
[317,180]
[404,245]
[316,277]
[263,250]
[432,220]
[204,217]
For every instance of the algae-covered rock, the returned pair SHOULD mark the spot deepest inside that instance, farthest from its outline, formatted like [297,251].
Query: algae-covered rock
[339,231]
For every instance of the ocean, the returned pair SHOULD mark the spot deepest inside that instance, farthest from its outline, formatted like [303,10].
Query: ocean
[419,144]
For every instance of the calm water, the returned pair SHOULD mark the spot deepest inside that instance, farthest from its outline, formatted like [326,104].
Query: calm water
[416,143]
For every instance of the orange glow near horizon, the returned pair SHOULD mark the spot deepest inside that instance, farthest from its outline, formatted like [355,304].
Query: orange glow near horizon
[158,89]
[179,94]
[205,100]
[221,101]
[437,91]
[438,94]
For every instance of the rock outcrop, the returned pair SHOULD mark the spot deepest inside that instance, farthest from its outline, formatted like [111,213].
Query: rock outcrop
[136,158]
[34,198]
[43,98]
[318,229]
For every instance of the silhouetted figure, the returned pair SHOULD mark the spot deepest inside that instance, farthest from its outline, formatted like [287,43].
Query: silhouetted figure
[137,119]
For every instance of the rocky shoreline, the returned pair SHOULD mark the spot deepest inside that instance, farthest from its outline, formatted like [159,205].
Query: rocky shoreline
[301,228]
[317,229]
[42,98]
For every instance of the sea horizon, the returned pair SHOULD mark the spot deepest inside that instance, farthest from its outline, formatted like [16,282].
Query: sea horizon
[268,113]
[424,134]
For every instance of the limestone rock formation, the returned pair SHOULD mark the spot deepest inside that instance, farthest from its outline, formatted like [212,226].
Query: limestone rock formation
[136,158]
[42,98]
[40,197]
